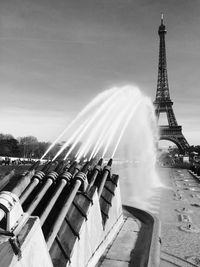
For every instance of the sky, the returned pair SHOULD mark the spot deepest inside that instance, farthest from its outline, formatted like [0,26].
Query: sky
[57,55]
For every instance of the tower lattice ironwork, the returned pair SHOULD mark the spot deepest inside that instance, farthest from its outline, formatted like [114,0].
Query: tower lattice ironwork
[163,103]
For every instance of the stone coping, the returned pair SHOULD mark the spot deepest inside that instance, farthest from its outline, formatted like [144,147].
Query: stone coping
[146,252]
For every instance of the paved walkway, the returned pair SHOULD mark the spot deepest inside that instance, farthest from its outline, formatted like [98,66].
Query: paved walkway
[179,213]
[119,251]
[177,204]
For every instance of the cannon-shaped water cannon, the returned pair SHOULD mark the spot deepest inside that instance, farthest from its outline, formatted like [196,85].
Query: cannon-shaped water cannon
[106,172]
[67,166]
[36,179]
[77,168]
[97,169]
[35,165]
[50,179]
[63,180]
[60,166]
[80,182]
[72,167]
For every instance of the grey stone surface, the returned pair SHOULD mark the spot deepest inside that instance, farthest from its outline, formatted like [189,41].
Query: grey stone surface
[178,246]
[118,253]
[131,225]
[122,246]
[114,263]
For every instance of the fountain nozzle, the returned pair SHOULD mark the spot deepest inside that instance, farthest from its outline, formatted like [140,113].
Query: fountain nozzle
[110,162]
[85,167]
[35,165]
[59,167]
[100,162]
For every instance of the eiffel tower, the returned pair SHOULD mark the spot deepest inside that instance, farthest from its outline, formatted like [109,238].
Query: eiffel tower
[163,104]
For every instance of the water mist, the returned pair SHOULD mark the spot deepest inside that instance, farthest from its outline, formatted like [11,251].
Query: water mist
[137,156]
[119,123]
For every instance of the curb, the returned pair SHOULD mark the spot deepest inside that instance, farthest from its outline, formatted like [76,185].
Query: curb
[146,252]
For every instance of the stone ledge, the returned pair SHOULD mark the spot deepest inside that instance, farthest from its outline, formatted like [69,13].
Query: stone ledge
[147,248]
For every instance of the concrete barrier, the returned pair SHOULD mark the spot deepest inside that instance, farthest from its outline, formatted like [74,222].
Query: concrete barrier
[26,248]
[84,237]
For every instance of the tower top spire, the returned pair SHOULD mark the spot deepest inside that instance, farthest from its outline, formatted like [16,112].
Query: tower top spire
[162,18]
[162,94]
[162,29]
